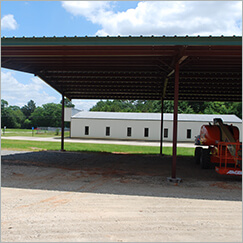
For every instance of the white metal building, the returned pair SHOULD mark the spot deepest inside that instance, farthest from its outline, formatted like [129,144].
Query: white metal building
[140,126]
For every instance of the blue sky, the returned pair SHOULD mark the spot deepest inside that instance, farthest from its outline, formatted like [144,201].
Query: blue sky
[54,18]
[49,18]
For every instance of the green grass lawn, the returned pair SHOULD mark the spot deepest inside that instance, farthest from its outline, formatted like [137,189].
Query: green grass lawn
[29,133]
[110,148]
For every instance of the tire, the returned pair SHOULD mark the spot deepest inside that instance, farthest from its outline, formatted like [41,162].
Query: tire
[205,159]
[198,151]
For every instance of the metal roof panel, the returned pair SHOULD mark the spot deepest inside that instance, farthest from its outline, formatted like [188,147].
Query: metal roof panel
[123,40]
[154,116]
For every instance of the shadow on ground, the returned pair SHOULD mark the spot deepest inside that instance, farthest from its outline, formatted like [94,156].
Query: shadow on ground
[115,174]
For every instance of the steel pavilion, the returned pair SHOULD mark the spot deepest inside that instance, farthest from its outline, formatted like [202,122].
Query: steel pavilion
[191,68]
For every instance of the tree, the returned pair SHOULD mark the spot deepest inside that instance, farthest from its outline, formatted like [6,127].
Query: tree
[7,118]
[67,103]
[4,103]
[37,117]
[186,107]
[237,109]
[18,114]
[12,117]
[198,106]
[224,108]
[49,115]
[27,124]
[29,108]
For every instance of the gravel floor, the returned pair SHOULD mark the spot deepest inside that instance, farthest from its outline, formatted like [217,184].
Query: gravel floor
[93,197]
[151,170]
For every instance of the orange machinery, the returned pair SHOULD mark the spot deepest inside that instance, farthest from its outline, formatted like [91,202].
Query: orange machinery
[224,150]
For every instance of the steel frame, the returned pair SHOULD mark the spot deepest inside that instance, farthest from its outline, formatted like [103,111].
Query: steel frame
[133,68]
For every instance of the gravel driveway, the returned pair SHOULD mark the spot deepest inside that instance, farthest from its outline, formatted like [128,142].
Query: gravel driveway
[71,196]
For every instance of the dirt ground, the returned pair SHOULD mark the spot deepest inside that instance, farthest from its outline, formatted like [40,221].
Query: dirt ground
[103,197]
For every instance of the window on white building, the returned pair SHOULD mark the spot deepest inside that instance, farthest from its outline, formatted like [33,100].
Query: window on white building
[188,133]
[129,131]
[166,131]
[107,131]
[86,130]
[146,132]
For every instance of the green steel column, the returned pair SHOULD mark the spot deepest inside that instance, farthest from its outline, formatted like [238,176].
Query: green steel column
[161,126]
[62,135]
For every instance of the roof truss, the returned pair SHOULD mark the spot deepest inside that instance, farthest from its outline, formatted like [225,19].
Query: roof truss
[132,67]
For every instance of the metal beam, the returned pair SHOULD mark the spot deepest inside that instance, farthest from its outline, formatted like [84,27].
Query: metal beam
[165,86]
[62,135]
[175,119]
[176,94]
[162,115]
[180,60]
[60,51]
[161,126]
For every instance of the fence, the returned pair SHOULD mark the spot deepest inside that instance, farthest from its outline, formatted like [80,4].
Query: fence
[50,129]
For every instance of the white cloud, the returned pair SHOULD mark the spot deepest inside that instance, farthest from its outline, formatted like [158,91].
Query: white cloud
[19,94]
[162,17]
[89,9]
[8,22]
[84,104]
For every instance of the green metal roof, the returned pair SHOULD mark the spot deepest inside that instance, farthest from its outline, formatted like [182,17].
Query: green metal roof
[123,41]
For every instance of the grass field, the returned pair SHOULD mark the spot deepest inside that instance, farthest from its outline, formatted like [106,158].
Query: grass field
[110,148]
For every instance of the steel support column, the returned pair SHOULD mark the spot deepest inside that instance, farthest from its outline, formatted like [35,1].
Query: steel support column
[161,126]
[176,94]
[162,114]
[62,134]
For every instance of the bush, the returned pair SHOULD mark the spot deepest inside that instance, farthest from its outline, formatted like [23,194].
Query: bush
[27,124]
[57,132]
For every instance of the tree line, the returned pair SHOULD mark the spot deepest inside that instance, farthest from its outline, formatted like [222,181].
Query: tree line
[49,115]
[186,107]
[28,116]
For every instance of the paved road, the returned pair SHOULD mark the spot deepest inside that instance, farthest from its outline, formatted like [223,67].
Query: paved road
[99,141]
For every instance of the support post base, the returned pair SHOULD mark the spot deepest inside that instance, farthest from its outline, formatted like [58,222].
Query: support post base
[62,150]
[174,180]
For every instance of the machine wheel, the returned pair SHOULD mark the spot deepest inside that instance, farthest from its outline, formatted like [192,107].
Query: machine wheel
[198,151]
[205,159]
